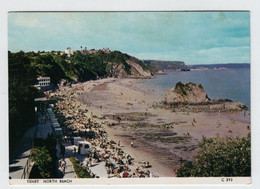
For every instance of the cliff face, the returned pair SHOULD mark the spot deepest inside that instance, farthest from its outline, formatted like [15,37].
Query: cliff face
[131,70]
[137,70]
[118,70]
[187,93]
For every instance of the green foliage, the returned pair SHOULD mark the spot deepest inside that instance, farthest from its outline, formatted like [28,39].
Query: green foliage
[80,171]
[44,155]
[45,65]
[220,157]
[24,68]
[21,78]
[86,67]
[166,65]
[43,161]
[181,88]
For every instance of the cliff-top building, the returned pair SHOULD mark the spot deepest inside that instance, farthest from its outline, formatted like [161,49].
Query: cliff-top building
[44,81]
[69,51]
[106,50]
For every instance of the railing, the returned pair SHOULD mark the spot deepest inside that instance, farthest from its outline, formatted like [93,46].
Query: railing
[28,162]
[26,167]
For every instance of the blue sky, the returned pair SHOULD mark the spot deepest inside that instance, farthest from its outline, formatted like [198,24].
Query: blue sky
[192,37]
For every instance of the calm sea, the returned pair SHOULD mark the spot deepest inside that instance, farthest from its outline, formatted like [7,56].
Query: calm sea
[233,83]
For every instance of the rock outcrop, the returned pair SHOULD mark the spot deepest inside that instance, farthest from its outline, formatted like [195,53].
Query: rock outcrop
[194,94]
[186,93]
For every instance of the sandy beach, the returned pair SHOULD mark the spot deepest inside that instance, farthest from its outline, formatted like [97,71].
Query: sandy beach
[128,114]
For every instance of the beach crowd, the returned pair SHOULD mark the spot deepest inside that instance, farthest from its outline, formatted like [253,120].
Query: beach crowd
[77,121]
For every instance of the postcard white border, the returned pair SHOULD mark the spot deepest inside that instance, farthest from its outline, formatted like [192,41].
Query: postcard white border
[174,181]
[135,5]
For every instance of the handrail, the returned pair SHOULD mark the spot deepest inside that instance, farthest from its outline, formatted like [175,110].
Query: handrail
[26,167]
[28,162]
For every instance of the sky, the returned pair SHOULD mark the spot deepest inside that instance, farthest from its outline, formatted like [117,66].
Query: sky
[192,37]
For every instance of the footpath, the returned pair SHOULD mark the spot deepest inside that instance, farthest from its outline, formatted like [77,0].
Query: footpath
[69,170]
[19,162]
[97,168]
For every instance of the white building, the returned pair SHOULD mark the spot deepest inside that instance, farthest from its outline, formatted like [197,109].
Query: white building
[69,51]
[44,81]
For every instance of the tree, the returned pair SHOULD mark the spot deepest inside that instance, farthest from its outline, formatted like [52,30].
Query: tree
[44,155]
[45,65]
[220,157]
[43,161]
[21,78]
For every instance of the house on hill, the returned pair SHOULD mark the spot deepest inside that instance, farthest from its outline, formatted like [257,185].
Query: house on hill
[69,51]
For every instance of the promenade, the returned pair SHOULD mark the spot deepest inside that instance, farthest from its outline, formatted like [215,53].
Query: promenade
[97,168]
[20,156]
[69,170]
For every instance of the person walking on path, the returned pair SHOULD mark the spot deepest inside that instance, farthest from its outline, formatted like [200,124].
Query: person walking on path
[63,165]
[60,163]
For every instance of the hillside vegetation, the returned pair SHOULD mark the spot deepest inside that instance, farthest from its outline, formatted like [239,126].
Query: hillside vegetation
[24,68]
[167,65]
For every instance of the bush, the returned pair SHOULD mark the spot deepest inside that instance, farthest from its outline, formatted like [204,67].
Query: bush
[220,157]
[44,156]
[43,161]
[80,171]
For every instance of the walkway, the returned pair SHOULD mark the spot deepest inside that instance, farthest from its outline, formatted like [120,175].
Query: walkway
[69,170]
[18,160]
[97,168]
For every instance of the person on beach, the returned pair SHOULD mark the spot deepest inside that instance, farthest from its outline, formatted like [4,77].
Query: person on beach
[117,161]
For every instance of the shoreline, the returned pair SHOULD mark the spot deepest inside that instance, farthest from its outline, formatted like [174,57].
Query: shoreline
[159,135]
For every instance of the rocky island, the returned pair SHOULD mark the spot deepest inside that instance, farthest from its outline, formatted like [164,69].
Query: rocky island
[186,93]
[194,97]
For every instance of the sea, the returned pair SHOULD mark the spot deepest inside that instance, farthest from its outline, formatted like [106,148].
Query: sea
[229,83]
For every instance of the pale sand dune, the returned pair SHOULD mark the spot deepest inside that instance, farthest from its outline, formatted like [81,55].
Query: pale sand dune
[117,96]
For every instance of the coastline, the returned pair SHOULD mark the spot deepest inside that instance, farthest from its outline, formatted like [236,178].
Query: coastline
[160,136]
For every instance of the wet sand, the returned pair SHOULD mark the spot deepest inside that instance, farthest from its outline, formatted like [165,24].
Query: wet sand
[127,112]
